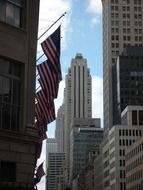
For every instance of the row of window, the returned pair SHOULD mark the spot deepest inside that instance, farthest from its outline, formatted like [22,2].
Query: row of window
[136,187]
[134,164]
[135,151]
[126,23]
[129,132]
[125,16]
[127,2]
[135,176]
[127,38]
[126,142]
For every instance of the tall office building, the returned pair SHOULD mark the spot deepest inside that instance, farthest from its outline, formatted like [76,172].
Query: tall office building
[129,69]
[51,147]
[85,135]
[55,164]
[59,132]
[18,134]
[122,26]
[77,96]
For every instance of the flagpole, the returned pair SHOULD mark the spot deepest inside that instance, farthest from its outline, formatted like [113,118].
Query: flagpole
[52,25]
[39,57]
[49,29]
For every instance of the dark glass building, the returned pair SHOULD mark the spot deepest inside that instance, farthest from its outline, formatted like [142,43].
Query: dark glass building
[129,79]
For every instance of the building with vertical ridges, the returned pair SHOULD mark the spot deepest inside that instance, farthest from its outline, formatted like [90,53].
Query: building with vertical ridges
[77,97]
[59,132]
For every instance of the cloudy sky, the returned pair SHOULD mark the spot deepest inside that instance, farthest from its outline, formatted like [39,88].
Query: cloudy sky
[81,33]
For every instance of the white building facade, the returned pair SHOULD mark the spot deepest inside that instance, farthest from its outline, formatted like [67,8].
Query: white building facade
[120,138]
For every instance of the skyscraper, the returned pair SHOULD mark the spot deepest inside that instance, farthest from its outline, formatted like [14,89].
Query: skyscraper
[55,162]
[85,134]
[77,97]
[59,132]
[122,26]
[51,147]
[129,78]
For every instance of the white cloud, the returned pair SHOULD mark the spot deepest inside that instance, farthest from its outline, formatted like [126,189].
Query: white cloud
[94,21]
[50,11]
[94,6]
[97,98]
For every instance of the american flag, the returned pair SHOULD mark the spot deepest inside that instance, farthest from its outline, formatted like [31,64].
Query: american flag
[51,48]
[42,106]
[48,79]
[39,173]
[47,109]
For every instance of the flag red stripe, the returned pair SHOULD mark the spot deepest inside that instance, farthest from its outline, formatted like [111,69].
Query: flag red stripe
[48,52]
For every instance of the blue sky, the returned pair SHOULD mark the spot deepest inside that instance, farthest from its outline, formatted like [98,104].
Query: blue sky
[81,33]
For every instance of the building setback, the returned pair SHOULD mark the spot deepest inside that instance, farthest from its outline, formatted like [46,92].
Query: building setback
[18,135]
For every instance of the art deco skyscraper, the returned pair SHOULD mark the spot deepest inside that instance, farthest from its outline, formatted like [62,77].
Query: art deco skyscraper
[122,26]
[77,96]
[59,132]
[78,88]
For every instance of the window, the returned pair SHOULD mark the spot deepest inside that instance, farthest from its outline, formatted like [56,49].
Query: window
[7,171]
[10,90]
[11,12]
[141,117]
[121,174]
[134,117]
